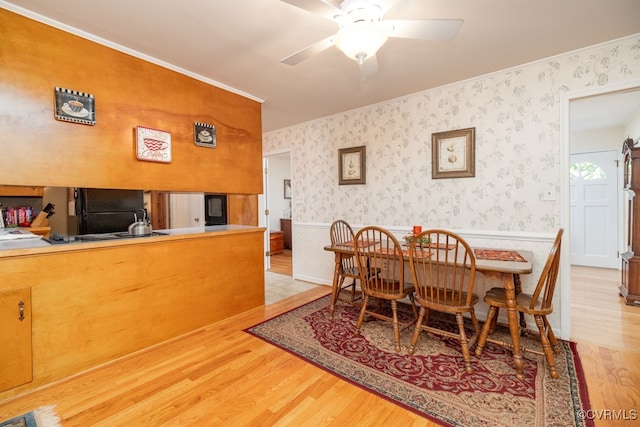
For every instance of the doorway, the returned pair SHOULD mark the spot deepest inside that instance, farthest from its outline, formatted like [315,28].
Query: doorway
[278,212]
[616,106]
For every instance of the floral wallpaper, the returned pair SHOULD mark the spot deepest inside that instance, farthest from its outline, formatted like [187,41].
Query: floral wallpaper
[516,114]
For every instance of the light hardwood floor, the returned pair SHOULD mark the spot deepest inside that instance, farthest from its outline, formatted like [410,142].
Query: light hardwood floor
[220,375]
[282,263]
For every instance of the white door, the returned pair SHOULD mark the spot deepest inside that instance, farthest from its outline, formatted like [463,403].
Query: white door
[186,210]
[594,209]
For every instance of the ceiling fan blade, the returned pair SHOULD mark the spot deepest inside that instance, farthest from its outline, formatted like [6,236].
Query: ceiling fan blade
[308,51]
[425,29]
[369,67]
[325,8]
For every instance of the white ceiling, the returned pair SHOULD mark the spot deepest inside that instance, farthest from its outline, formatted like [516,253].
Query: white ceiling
[239,43]
[610,110]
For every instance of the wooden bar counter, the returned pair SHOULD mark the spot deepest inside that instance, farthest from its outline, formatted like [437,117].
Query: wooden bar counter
[94,302]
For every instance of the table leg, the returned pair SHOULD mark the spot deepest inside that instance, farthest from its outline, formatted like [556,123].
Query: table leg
[335,285]
[514,326]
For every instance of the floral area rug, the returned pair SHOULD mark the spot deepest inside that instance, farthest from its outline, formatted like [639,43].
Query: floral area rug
[41,417]
[433,382]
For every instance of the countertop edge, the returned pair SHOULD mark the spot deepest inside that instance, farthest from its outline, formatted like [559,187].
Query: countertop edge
[38,246]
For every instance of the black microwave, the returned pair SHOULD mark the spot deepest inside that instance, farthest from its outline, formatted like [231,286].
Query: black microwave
[215,209]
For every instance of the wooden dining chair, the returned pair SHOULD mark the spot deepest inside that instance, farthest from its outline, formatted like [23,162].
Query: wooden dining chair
[342,233]
[381,263]
[539,305]
[443,272]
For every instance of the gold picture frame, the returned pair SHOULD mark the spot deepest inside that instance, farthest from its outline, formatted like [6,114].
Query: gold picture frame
[453,154]
[352,166]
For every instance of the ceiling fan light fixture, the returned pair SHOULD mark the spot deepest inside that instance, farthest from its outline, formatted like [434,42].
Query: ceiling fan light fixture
[361,40]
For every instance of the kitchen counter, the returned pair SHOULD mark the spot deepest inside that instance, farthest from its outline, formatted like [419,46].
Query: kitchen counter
[107,299]
[34,244]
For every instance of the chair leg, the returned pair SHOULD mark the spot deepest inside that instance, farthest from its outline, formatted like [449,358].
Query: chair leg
[486,328]
[551,335]
[365,300]
[416,330]
[546,347]
[396,326]
[464,343]
[474,321]
[334,297]
[427,316]
[494,321]
[413,306]
[353,291]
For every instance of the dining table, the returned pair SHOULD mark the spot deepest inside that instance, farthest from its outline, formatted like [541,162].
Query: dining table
[503,265]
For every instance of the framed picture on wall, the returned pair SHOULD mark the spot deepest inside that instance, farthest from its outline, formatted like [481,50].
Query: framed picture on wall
[352,166]
[453,154]
[153,145]
[73,106]
[204,135]
[287,188]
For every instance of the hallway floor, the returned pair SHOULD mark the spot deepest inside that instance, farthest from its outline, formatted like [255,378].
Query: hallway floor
[278,287]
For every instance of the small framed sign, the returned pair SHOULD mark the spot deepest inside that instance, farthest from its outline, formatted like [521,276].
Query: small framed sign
[73,106]
[153,145]
[204,135]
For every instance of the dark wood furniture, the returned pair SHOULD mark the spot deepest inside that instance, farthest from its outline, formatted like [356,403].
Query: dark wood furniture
[539,305]
[285,226]
[276,242]
[630,286]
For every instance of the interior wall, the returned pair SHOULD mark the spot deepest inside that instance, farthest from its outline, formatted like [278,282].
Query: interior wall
[516,114]
[129,92]
[632,129]
[598,140]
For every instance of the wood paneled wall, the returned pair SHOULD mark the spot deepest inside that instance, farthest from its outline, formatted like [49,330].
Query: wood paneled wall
[129,92]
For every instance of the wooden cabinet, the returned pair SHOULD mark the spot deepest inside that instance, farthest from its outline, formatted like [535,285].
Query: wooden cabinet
[630,286]
[285,226]
[21,191]
[276,242]
[15,338]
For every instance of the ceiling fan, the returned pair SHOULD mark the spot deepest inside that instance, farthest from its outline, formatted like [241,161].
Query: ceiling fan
[362,30]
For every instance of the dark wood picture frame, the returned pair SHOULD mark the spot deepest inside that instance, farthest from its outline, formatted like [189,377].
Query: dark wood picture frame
[352,166]
[453,154]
